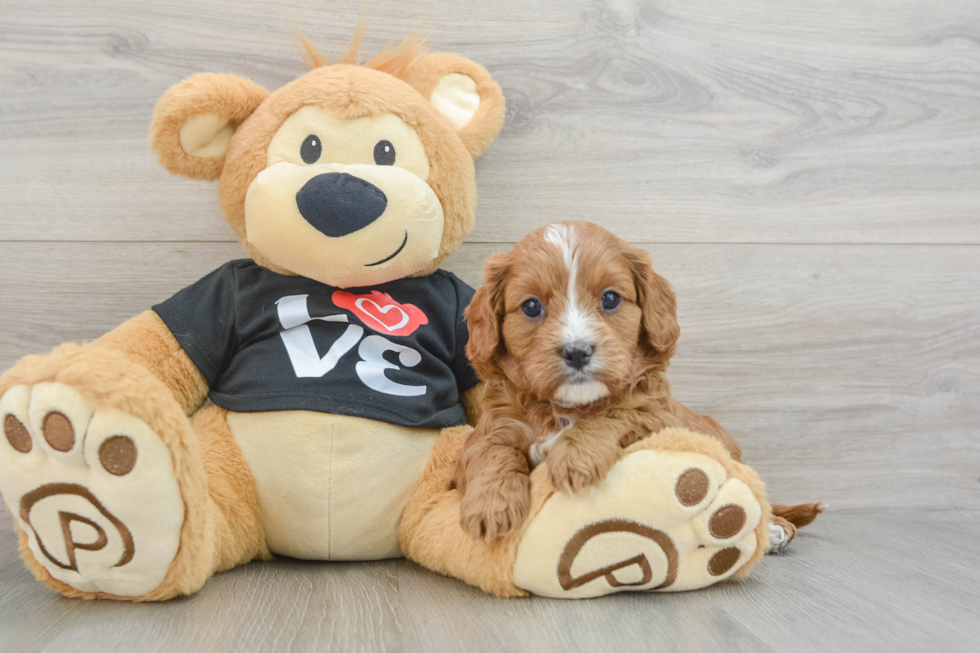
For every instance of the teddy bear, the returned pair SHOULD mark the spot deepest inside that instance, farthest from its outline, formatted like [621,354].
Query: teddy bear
[310,400]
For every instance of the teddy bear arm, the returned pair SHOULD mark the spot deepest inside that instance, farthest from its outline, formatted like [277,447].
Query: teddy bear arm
[147,340]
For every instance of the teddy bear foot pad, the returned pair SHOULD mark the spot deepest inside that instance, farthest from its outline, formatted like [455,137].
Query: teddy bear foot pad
[94,490]
[662,520]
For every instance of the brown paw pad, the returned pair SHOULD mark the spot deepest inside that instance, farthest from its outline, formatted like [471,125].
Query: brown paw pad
[723,560]
[58,431]
[692,487]
[727,521]
[17,434]
[118,455]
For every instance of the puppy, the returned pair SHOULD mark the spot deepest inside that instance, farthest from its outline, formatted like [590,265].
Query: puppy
[572,333]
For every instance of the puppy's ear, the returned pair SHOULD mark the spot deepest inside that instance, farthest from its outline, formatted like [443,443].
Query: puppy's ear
[657,302]
[485,315]
[195,119]
[464,93]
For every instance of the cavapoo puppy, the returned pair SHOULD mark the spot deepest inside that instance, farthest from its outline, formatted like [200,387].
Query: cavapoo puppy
[572,332]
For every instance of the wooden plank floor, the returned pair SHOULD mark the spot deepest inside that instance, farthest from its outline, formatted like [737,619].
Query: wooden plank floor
[806,174]
[903,581]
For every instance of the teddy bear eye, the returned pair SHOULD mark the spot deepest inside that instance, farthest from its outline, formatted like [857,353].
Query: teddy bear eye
[311,149]
[532,308]
[384,153]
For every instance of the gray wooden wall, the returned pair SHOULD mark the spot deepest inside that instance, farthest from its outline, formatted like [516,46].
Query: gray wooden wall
[807,174]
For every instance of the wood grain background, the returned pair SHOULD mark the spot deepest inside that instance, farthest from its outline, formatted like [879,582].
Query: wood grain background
[806,174]
[808,177]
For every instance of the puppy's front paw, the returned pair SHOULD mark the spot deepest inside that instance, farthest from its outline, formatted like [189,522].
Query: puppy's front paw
[490,510]
[571,469]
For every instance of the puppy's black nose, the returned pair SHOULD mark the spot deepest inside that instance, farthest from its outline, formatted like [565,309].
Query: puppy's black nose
[576,355]
[337,204]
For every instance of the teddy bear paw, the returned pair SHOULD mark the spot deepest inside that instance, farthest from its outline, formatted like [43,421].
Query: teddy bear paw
[661,520]
[94,490]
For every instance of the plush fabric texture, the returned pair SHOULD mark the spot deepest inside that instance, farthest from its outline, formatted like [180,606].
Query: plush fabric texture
[221,526]
[228,99]
[106,379]
[482,128]
[234,487]
[147,341]
[224,127]
[240,531]
[456,97]
[349,92]
[403,240]
[633,533]
[432,535]
[353,92]
[430,531]
[102,467]
[350,479]
[396,61]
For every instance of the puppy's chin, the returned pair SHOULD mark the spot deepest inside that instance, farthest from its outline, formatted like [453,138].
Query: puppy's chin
[580,394]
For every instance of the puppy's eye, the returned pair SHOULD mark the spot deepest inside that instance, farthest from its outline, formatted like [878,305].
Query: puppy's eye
[384,153]
[532,308]
[311,149]
[610,301]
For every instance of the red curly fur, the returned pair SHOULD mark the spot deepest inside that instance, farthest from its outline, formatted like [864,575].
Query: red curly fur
[519,358]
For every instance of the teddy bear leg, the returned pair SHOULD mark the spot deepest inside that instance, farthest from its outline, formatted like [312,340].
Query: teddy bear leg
[674,513]
[239,534]
[430,529]
[104,476]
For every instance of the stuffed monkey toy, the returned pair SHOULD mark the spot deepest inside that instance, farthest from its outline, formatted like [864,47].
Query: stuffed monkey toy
[333,359]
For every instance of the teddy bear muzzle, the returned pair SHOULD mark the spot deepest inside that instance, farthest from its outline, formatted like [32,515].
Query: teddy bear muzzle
[344,225]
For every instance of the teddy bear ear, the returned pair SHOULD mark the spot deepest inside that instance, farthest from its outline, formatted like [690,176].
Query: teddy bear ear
[464,93]
[195,119]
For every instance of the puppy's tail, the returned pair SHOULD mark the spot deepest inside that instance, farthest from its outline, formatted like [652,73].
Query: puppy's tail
[799,515]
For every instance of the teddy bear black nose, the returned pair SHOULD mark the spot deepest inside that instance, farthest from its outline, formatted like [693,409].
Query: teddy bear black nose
[337,204]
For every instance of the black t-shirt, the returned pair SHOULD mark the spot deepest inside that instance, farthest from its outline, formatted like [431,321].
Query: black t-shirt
[266,342]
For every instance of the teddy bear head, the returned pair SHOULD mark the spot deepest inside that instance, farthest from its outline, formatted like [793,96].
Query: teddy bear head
[351,175]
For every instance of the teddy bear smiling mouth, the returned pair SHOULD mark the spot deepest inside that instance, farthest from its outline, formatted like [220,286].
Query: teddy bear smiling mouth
[391,256]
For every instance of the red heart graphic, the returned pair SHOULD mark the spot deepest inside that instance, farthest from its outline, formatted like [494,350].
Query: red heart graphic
[379,312]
